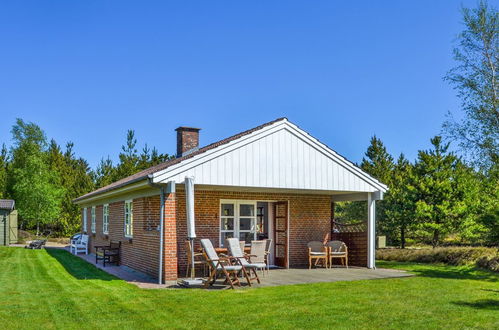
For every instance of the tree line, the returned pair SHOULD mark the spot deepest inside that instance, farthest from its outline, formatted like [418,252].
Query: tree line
[44,178]
[436,199]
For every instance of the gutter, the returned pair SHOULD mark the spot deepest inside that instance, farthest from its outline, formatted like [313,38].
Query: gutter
[162,188]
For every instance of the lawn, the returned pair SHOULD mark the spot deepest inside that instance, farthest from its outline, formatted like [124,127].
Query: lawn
[53,289]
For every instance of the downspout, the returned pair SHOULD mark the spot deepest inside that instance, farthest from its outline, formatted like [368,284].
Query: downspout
[162,188]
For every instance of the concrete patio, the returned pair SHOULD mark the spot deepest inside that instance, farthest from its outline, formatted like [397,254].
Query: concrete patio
[275,277]
[303,276]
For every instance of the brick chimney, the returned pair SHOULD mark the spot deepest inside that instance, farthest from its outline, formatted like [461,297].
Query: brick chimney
[187,140]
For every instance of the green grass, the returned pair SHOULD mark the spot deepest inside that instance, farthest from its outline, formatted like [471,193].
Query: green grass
[53,289]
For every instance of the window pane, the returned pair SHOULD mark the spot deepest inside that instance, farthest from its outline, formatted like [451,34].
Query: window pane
[246,224]
[227,210]
[228,224]
[247,237]
[225,236]
[247,210]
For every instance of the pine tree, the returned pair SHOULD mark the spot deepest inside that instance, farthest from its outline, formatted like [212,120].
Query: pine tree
[399,202]
[129,159]
[77,181]
[73,175]
[104,174]
[379,163]
[440,195]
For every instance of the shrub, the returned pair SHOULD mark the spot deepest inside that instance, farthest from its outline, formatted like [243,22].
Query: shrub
[483,257]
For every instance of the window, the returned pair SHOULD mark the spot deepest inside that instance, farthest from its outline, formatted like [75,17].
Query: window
[85,219]
[128,218]
[92,224]
[105,219]
[238,219]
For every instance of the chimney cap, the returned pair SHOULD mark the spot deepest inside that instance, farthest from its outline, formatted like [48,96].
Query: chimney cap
[187,128]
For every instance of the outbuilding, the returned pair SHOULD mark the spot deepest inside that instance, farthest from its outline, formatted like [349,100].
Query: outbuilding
[272,181]
[8,222]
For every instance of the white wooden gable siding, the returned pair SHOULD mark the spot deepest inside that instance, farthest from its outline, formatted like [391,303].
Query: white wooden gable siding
[279,156]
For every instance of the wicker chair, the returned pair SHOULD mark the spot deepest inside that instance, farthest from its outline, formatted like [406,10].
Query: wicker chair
[337,249]
[318,252]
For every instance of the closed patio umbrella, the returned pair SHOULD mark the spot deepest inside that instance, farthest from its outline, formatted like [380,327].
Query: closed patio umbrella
[191,225]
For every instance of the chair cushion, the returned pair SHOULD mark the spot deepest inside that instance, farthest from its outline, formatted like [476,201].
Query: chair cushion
[339,253]
[231,267]
[256,265]
[318,253]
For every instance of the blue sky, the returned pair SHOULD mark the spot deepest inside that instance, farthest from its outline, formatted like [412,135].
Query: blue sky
[86,71]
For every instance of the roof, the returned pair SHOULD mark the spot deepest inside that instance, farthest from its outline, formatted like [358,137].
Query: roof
[145,173]
[7,204]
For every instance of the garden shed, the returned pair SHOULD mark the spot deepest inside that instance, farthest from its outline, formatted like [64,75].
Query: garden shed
[8,222]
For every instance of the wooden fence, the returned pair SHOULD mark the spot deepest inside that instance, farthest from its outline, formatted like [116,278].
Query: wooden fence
[355,237]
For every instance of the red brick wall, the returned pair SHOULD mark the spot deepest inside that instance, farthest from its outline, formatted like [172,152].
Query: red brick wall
[142,251]
[310,219]
[170,268]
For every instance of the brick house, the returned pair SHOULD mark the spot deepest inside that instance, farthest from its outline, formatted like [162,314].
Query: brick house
[273,181]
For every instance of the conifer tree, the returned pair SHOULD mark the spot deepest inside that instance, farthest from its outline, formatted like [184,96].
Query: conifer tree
[441,197]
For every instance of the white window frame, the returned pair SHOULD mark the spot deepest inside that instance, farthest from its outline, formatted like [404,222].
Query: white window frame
[128,228]
[84,219]
[105,219]
[93,220]
[236,232]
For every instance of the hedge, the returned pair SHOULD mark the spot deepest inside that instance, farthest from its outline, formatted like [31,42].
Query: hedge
[482,257]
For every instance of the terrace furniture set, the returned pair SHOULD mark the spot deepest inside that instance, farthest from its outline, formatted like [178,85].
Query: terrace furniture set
[233,262]
[318,252]
[108,253]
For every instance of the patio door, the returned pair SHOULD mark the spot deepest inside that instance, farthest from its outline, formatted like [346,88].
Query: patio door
[281,233]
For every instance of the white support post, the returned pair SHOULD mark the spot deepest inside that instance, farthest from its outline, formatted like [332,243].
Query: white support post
[371,231]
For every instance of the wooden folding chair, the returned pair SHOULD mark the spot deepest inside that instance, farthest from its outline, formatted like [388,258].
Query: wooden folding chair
[228,266]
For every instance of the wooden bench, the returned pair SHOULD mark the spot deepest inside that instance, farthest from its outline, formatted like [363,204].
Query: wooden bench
[108,253]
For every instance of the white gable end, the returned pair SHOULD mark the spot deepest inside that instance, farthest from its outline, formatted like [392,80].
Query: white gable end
[280,156]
